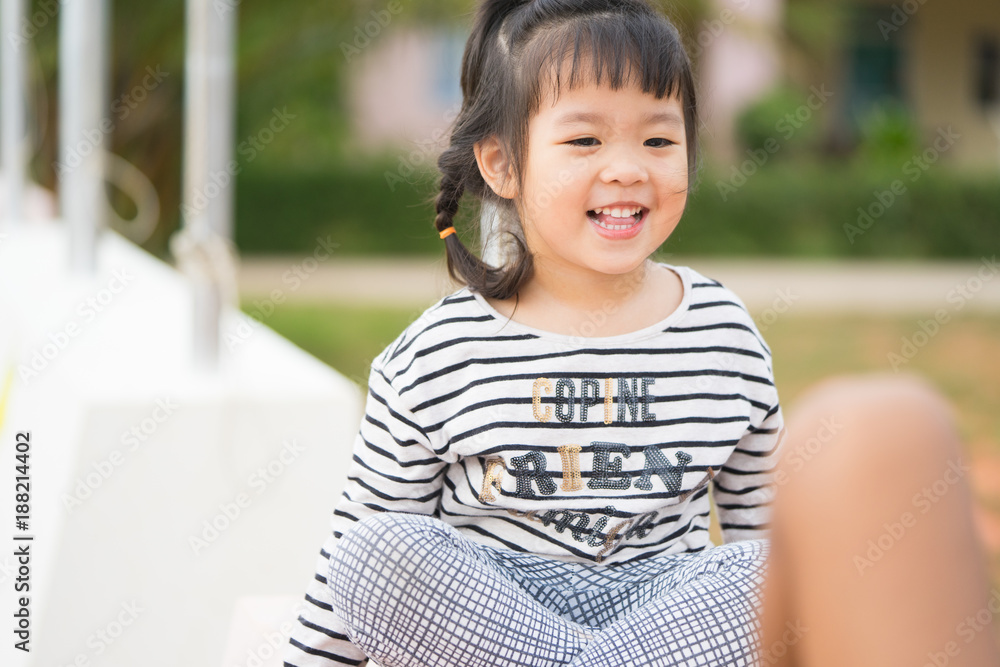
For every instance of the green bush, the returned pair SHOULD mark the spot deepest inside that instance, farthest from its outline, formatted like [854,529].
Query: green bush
[888,134]
[783,117]
[285,211]
[842,210]
[788,208]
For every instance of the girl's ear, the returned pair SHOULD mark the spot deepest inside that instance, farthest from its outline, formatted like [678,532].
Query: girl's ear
[495,168]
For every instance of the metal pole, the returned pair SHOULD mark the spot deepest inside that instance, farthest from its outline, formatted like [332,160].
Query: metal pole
[209,107]
[83,126]
[208,179]
[13,135]
[221,73]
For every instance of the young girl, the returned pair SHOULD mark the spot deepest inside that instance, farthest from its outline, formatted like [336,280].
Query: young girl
[531,479]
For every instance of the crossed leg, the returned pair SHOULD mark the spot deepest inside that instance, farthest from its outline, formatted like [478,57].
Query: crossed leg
[413,592]
[874,557]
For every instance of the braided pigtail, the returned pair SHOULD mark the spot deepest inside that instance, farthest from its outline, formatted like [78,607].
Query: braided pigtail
[463,265]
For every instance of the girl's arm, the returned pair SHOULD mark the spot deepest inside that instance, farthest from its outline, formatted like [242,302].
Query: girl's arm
[394,469]
[744,488]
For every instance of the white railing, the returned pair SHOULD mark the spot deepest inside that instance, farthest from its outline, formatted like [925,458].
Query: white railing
[12,134]
[83,64]
[203,248]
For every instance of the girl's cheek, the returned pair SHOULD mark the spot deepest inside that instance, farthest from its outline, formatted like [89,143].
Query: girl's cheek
[675,174]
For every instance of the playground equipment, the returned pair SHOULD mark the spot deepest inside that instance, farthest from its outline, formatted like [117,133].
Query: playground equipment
[179,459]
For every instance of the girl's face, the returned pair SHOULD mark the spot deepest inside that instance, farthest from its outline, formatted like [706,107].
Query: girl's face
[605,180]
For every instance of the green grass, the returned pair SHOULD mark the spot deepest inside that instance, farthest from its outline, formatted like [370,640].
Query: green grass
[962,360]
[345,337]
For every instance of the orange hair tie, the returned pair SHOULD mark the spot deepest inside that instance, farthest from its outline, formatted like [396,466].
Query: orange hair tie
[446,232]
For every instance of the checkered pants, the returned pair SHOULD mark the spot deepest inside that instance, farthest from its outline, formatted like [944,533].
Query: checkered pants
[412,592]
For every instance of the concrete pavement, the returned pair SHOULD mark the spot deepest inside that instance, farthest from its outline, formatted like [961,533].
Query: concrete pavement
[789,285]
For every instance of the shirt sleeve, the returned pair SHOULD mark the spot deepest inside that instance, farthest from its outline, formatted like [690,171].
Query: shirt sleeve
[394,469]
[744,489]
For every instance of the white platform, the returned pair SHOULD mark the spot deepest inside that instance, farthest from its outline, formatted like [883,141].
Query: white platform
[135,455]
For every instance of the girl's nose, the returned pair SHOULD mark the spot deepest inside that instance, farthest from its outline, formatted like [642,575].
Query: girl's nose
[623,167]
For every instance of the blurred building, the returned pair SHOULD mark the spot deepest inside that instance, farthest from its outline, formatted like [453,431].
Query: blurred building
[939,60]
[405,89]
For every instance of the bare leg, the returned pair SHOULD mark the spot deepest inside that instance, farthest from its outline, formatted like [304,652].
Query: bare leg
[874,560]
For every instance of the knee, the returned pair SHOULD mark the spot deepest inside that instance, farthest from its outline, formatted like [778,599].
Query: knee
[377,558]
[387,544]
[879,393]
[846,426]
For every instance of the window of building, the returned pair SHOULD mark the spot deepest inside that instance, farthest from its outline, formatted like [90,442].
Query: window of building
[988,71]
[874,59]
[447,57]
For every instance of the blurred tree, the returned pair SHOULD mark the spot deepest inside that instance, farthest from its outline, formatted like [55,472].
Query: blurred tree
[144,110]
[812,38]
[774,117]
[811,44]
[289,57]
[889,135]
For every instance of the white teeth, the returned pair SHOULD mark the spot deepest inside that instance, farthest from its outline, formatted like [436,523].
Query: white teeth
[614,227]
[619,212]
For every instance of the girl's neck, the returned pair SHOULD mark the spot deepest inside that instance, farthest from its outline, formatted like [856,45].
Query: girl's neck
[591,304]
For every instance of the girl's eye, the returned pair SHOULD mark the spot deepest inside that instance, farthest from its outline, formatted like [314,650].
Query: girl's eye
[585,142]
[659,142]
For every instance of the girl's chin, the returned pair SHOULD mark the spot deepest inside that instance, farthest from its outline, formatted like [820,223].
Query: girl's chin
[618,265]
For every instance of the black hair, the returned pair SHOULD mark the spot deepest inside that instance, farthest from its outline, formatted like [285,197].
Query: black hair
[516,46]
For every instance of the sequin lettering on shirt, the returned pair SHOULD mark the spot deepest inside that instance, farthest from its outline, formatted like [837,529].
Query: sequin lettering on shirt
[607,400]
[530,467]
[565,400]
[647,399]
[590,394]
[608,471]
[657,464]
[536,399]
[628,396]
[634,399]
[492,478]
[571,467]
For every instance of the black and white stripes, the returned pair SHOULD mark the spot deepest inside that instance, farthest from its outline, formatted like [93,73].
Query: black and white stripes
[596,450]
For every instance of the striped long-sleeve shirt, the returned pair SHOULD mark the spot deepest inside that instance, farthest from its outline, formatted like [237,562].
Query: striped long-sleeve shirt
[580,448]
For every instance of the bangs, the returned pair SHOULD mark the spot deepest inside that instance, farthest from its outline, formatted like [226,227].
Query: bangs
[607,49]
[616,49]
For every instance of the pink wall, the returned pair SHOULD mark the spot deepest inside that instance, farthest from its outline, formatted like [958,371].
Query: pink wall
[740,62]
[395,92]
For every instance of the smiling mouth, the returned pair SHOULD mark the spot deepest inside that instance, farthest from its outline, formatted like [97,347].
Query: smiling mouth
[617,219]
